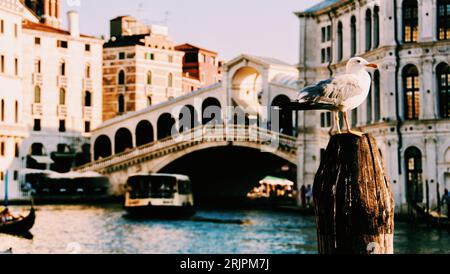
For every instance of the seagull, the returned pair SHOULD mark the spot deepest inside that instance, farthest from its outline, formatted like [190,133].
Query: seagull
[339,94]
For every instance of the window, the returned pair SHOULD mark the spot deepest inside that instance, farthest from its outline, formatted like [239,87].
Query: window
[170,58]
[15,175]
[328,54]
[62,125]
[149,100]
[2,63]
[88,72]
[62,68]
[121,104]
[328,33]
[37,40]
[87,47]
[149,56]
[323,34]
[62,44]
[121,78]
[353,36]
[202,77]
[149,77]
[2,26]
[2,110]
[16,112]
[443,19]
[121,55]
[16,30]
[411,85]
[325,119]
[414,185]
[16,150]
[354,117]
[16,66]
[37,66]
[376,95]
[37,125]
[170,80]
[376,27]
[87,99]
[201,58]
[410,21]
[443,80]
[369,107]
[87,126]
[2,176]
[2,149]
[37,94]
[62,97]
[368,30]
[323,56]
[340,42]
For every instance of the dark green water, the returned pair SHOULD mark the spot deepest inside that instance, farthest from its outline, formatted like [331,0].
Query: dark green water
[99,230]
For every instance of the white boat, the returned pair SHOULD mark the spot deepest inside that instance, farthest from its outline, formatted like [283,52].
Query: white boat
[159,195]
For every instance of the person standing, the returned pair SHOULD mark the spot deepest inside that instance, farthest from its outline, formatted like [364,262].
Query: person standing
[308,195]
[303,196]
[446,201]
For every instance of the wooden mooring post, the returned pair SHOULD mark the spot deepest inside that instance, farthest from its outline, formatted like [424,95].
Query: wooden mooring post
[353,201]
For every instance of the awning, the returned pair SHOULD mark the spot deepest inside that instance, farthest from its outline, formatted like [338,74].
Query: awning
[42,159]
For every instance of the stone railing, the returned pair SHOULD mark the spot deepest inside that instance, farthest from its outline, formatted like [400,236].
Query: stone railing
[209,133]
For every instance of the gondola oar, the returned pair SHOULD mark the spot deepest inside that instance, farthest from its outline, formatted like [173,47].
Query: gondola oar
[6,189]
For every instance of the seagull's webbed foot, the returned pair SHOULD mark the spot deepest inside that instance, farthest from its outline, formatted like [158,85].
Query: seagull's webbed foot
[357,133]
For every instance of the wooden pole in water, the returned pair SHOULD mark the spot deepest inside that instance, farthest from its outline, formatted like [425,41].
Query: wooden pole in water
[353,201]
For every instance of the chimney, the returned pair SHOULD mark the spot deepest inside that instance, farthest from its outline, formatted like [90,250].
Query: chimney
[74,23]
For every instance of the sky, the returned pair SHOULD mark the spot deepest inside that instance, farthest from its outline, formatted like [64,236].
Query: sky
[230,27]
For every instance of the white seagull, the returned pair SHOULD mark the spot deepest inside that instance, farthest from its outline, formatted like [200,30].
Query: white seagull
[339,94]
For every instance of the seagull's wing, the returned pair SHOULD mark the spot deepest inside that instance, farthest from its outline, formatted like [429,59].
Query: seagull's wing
[332,91]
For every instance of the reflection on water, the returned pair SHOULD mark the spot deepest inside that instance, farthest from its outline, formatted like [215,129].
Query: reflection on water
[89,229]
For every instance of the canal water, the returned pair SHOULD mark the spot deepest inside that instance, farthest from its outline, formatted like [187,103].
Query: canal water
[104,229]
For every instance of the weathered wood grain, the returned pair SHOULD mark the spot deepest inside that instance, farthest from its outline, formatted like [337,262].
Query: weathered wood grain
[353,200]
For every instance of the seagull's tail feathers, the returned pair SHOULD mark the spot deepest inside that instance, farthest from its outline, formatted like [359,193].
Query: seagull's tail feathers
[304,105]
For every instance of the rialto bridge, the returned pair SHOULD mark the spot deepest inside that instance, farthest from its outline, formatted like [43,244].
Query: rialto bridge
[228,128]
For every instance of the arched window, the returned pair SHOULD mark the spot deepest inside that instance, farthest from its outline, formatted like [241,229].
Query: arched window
[87,99]
[414,185]
[170,80]
[37,66]
[353,36]
[443,81]
[443,19]
[369,106]
[102,147]
[149,100]
[37,94]
[121,104]
[376,27]
[368,29]
[410,21]
[62,97]
[62,68]
[121,78]
[165,126]
[144,133]
[285,117]
[376,95]
[88,71]
[149,78]
[2,110]
[340,41]
[123,140]
[411,86]
[16,112]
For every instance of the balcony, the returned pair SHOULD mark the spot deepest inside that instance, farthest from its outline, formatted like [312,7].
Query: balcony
[149,90]
[61,81]
[121,89]
[37,79]
[87,113]
[36,109]
[87,84]
[62,111]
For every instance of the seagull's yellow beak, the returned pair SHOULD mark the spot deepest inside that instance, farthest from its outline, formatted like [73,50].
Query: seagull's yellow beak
[372,65]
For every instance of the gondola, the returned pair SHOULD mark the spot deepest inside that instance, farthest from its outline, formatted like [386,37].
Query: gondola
[18,225]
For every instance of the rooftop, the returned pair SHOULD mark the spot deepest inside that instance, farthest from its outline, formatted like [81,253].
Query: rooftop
[46,28]
[321,5]
[191,46]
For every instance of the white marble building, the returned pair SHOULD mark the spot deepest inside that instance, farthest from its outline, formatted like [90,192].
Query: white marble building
[408,109]
[50,90]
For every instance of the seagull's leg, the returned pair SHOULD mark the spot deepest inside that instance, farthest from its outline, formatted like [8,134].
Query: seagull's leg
[348,126]
[336,119]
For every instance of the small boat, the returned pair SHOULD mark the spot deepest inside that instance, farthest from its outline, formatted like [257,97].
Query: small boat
[159,195]
[273,192]
[16,225]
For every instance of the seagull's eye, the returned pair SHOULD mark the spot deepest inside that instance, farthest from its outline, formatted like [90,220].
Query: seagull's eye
[359,61]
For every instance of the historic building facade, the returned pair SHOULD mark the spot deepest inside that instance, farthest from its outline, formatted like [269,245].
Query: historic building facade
[408,108]
[51,90]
